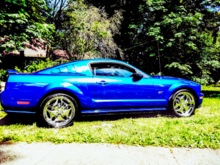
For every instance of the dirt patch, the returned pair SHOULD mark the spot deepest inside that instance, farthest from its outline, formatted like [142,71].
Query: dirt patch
[5,157]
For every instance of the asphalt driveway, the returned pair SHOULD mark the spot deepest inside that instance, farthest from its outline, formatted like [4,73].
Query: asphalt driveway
[103,154]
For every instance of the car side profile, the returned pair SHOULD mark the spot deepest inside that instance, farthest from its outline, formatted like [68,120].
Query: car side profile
[57,95]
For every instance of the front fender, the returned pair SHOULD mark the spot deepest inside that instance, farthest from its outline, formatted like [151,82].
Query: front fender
[177,86]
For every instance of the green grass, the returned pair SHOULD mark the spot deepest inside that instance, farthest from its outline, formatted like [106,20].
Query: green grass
[201,130]
[2,114]
[210,91]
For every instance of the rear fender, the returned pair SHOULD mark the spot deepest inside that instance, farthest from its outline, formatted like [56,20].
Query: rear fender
[60,86]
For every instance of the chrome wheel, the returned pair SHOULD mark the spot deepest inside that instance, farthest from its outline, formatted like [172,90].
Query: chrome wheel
[184,104]
[59,111]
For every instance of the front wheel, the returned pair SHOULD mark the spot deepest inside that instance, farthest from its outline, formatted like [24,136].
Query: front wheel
[182,103]
[57,111]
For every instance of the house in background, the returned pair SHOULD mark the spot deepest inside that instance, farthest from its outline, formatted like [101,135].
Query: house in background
[57,54]
[36,49]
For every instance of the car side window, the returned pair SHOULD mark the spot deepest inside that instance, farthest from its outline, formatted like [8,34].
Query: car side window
[63,70]
[71,69]
[112,69]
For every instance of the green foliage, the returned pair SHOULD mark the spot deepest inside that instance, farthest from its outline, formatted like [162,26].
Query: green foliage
[2,114]
[182,30]
[210,56]
[20,22]
[182,69]
[3,75]
[37,65]
[88,31]
[211,92]
[32,66]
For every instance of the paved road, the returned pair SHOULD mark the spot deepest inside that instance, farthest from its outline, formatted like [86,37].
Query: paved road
[103,154]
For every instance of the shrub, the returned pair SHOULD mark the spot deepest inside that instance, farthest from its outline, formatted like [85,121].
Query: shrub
[36,65]
[3,75]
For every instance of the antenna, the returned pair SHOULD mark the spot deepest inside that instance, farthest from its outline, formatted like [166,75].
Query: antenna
[159,57]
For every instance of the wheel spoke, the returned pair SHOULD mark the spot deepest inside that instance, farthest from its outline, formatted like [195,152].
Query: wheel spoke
[181,109]
[186,108]
[55,102]
[59,118]
[191,103]
[63,102]
[66,112]
[178,105]
[52,114]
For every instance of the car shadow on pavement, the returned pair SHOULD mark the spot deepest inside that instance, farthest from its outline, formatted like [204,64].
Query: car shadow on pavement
[29,119]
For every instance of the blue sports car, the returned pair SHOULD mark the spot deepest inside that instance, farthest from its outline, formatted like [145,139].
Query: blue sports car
[59,94]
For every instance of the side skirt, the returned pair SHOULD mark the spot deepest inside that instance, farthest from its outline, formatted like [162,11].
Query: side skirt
[97,111]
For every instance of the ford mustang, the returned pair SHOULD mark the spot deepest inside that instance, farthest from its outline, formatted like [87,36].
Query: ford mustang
[57,95]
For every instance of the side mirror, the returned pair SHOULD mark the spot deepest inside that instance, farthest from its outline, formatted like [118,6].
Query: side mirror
[137,76]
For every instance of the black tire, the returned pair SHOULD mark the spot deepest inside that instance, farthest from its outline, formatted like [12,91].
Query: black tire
[48,112]
[182,103]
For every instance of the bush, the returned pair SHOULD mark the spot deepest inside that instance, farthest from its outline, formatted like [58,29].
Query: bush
[3,75]
[32,66]
[36,65]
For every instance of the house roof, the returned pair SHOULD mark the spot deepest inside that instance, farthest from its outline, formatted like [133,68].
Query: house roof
[60,54]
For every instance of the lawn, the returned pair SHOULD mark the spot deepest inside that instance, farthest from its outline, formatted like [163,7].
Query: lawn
[200,130]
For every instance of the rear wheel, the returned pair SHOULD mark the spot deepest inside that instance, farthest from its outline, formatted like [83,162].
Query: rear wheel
[182,103]
[57,111]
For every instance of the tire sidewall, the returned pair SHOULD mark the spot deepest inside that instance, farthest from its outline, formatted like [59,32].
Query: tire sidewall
[40,116]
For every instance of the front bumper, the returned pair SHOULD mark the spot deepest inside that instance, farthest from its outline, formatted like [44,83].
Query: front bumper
[200,100]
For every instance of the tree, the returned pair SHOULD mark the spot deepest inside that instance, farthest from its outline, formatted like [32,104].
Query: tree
[209,66]
[22,22]
[173,26]
[55,9]
[88,30]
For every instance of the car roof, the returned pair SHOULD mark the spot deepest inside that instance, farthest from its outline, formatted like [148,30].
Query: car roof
[96,60]
[93,60]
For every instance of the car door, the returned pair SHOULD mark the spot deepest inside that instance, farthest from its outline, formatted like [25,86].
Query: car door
[116,88]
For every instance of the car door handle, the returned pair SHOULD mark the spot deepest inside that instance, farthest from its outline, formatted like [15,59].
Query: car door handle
[102,82]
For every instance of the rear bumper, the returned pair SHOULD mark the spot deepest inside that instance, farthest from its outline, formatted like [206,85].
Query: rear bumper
[6,104]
